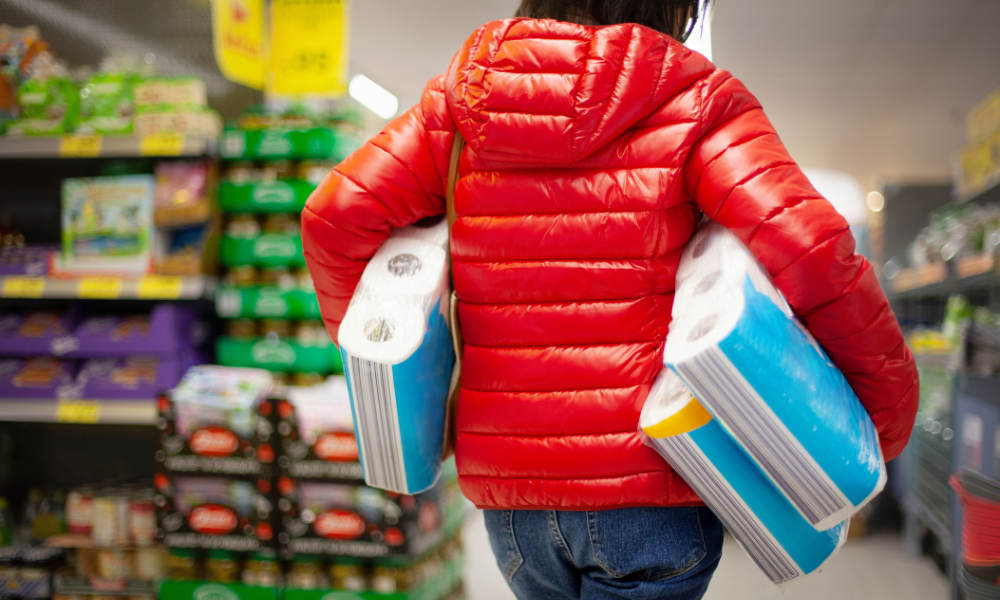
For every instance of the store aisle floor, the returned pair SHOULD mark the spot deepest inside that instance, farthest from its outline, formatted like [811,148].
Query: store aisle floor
[872,568]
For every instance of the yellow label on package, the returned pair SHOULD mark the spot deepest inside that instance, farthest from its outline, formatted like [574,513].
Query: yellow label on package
[239,40]
[309,40]
[80,145]
[161,144]
[77,411]
[23,287]
[160,287]
[99,287]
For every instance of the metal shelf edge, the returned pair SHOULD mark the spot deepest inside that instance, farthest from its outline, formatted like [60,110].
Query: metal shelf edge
[110,412]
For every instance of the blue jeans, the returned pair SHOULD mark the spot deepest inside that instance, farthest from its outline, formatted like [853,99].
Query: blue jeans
[634,553]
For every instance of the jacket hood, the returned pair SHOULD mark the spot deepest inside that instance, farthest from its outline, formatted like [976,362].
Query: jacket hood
[544,91]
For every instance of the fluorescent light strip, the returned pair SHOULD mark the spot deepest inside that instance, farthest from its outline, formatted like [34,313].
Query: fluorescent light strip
[373,96]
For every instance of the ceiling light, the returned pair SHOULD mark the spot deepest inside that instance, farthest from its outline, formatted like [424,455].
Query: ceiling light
[875,201]
[373,96]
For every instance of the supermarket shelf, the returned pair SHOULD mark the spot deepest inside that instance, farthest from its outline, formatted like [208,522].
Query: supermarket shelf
[70,585]
[930,522]
[939,279]
[150,287]
[97,146]
[109,412]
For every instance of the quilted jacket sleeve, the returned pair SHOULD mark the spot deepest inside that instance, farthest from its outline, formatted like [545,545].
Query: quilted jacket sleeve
[393,180]
[740,175]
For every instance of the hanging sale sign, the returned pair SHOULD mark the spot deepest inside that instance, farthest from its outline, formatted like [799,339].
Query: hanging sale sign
[238,34]
[308,47]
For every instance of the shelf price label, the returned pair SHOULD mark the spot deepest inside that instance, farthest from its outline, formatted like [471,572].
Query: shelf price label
[99,287]
[160,287]
[161,144]
[77,411]
[80,145]
[23,287]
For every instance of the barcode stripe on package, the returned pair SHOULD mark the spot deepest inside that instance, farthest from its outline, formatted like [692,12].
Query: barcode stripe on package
[697,470]
[763,435]
[381,447]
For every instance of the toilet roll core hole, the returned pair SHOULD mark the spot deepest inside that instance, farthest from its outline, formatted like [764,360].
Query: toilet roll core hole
[703,327]
[404,265]
[700,247]
[707,282]
[379,330]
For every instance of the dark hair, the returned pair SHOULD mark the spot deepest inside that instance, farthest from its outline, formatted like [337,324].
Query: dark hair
[675,18]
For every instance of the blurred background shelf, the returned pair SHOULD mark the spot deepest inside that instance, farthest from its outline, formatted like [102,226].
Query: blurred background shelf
[105,146]
[941,279]
[107,412]
[150,287]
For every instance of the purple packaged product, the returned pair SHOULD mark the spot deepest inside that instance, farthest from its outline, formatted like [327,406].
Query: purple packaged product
[36,334]
[138,377]
[167,330]
[40,377]
[25,260]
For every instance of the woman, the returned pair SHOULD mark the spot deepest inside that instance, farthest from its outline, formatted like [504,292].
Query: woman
[593,147]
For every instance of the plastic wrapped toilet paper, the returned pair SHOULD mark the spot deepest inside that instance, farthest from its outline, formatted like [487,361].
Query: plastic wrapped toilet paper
[711,261]
[433,233]
[398,358]
[767,381]
[760,518]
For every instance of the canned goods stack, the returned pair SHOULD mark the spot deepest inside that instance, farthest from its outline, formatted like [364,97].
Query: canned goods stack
[121,523]
[331,524]
[435,574]
[213,483]
[263,495]
[272,317]
[81,543]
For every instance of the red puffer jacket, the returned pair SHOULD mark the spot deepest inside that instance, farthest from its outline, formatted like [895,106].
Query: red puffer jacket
[591,153]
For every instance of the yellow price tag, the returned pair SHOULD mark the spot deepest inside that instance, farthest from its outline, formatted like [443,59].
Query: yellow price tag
[309,42]
[162,144]
[80,145]
[160,286]
[100,287]
[77,411]
[23,287]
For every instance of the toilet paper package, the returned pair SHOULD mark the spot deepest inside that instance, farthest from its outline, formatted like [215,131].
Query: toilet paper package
[398,356]
[759,372]
[771,531]
[433,232]
[711,261]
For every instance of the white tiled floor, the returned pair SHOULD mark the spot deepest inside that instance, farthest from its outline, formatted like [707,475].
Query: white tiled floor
[870,568]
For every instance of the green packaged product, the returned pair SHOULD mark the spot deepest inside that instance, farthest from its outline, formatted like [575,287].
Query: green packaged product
[48,106]
[106,104]
[174,91]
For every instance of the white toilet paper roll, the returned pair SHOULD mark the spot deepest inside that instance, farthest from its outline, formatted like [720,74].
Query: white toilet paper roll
[698,248]
[386,332]
[722,262]
[435,234]
[406,268]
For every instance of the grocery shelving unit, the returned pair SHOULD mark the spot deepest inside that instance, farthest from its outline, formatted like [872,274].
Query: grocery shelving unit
[33,168]
[959,410]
